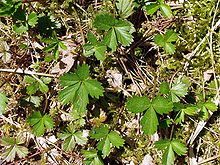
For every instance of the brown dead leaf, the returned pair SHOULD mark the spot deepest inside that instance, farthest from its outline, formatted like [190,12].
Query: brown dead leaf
[63,66]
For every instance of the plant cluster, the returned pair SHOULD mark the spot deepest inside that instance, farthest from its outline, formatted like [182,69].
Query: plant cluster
[109,82]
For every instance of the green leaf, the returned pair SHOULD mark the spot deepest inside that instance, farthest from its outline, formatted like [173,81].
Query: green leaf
[165,41]
[168,156]
[105,139]
[32,89]
[178,147]
[54,45]
[162,144]
[69,79]
[29,79]
[62,45]
[32,19]
[160,1]
[138,104]
[169,48]
[211,106]
[79,138]
[96,161]
[9,7]
[164,88]
[188,110]
[77,87]
[125,8]
[36,84]
[159,40]
[152,8]
[13,148]
[97,49]
[111,40]
[104,21]
[94,88]
[115,139]
[204,107]
[122,30]
[35,100]
[106,147]
[204,113]
[89,154]
[46,80]
[3,102]
[149,122]
[179,89]
[72,137]
[99,133]
[20,28]
[81,99]
[40,122]
[100,52]
[170,147]
[83,72]
[10,153]
[118,31]
[92,38]
[68,94]
[162,105]
[43,87]
[69,143]
[170,36]
[165,10]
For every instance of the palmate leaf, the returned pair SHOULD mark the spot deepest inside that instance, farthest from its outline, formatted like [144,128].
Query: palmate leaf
[92,157]
[205,107]
[98,50]
[77,88]
[40,122]
[3,102]
[125,8]
[169,148]
[54,45]
[152,7]
[165,41]
[94,48]
[118,31]
[10,153]
[159,105]
[13,148]
[178,89]
[106,139]
[71,139]
[35,84]
[192,110]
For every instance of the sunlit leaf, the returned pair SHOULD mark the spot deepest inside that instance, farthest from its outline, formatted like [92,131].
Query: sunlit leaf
[3,102]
